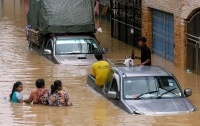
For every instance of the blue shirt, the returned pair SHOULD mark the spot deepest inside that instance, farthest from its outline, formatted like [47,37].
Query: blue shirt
[16,96]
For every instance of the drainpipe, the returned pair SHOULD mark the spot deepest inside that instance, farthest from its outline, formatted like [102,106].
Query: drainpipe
[198,59]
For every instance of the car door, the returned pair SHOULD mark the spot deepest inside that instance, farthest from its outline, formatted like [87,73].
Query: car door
[49,46]
[114,85]
[108,81]
[111,83]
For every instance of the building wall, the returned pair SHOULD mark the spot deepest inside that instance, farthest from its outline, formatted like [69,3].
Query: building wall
[182,10]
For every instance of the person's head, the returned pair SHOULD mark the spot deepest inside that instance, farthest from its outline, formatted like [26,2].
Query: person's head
[99,55]
[142,41]
[40,83]
[56,86]
[18,86]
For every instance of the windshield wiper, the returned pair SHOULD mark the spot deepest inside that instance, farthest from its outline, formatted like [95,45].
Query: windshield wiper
[150,92]
[165,93]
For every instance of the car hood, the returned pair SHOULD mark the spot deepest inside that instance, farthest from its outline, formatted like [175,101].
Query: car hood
[79,59]
[160,106]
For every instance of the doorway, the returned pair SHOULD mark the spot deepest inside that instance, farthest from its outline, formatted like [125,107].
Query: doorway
[193,43]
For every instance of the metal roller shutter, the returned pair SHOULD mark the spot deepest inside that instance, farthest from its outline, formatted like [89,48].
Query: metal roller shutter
[163,34]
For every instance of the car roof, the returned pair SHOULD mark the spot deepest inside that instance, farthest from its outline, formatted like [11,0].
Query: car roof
[142,71]
[72,36]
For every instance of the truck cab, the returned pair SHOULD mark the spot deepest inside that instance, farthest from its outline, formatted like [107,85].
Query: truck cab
[72,49]
[63,33]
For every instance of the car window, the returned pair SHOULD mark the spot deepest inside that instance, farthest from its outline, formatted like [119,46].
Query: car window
[152,84]
[114,86]
[151,87]
[166,84]
[108,80]
[49,46]
[76,46]
[134,86]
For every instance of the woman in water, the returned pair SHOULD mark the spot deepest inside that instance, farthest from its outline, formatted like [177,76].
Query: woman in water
[37,93]
[15,95]
[56,97]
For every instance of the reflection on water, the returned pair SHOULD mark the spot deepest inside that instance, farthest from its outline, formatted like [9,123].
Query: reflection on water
[18,63]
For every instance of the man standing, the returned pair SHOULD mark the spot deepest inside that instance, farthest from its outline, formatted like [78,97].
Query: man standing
[100,69]
[145,52]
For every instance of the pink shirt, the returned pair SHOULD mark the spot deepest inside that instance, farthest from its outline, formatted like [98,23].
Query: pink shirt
[96,9]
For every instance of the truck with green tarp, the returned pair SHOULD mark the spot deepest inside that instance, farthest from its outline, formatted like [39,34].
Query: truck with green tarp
[56,26]
[61,16]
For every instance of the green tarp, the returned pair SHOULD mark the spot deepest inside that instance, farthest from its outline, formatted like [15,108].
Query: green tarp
[61,16]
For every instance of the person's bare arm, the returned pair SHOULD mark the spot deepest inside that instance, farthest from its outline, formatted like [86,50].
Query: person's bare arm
[137,57]
[20,100]
[68,102]
[146,62]
[30,99]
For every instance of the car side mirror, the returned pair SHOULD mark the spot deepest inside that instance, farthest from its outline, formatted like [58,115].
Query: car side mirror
[112,94]
[47,51]
[105,50]
[188,92]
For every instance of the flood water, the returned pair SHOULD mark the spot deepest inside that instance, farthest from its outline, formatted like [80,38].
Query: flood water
[18,63]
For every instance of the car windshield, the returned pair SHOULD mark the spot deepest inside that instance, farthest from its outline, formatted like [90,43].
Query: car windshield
[151,87]
[76,46]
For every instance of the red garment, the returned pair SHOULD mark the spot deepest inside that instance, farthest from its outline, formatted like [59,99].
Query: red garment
[37,94]
[96,9]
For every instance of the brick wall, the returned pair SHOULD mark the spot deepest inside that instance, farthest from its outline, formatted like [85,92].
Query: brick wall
[182,10]
[180,53]
[147,25]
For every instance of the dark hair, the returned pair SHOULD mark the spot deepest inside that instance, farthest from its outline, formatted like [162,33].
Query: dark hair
[98,55]
[55,86]
[39,83]
[16,85]
[143,39]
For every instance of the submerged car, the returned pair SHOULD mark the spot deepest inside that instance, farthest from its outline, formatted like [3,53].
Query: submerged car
[71,49]
[147,90]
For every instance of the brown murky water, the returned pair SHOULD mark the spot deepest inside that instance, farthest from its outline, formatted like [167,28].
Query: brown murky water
[18,63]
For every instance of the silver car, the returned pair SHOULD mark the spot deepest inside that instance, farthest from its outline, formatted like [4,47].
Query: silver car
[71,49]
[148,90]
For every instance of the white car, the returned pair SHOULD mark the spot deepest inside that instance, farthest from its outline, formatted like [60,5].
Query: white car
[71,49]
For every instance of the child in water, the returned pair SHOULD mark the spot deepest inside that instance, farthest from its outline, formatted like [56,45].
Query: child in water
[16,96]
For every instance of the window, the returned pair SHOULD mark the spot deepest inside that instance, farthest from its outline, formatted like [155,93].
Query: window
[76,46]
[166,84]
[135,86]
[160,86]
[49,46]
[114,86]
